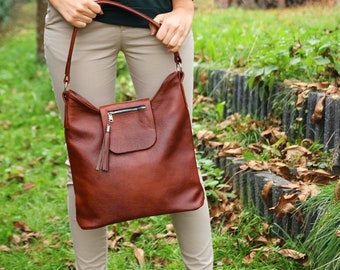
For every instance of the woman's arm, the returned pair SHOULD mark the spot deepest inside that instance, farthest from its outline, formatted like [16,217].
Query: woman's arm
[77,12]
[175,25]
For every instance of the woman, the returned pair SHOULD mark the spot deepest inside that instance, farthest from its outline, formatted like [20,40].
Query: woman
[104,32]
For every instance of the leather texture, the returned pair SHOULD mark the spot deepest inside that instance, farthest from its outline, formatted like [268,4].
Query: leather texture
[135,119]
[131,159]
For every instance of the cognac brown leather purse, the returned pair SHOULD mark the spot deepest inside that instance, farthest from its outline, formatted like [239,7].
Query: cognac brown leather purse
[131,159]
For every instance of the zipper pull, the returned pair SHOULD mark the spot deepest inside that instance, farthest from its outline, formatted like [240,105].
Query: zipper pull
[109,121]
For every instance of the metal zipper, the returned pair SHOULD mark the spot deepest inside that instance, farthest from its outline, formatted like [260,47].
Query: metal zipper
[126,110]
[120,111]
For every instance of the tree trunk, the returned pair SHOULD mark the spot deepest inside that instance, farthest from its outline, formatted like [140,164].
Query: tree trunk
[41,12]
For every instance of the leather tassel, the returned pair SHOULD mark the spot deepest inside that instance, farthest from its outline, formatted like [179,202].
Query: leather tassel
[103,160]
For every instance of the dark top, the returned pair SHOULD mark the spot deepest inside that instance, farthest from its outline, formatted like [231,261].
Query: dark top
[117,16]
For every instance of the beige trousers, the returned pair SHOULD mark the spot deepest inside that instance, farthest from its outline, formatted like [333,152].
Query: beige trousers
[93,74]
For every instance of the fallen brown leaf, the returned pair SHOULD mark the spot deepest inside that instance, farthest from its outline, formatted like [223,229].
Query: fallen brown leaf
[204,78]
[205,135]
[165,235]
[255,165]
[301,97]
[316,85]
[255,148]
[225,123]
[28,186]
[273,134]
[295,152]
[170,227]
[19,177]
[159,263]
[5,248]
[139,255]
[267,192]
[128,244]
[114,244]
[266,253]
[316,176]
[262,239]
[249,258]
[6,124]
[290,253]
[230,149]
[21,226]
[304,190]
[282,169]
[214,144]
[215,211]
[16,239]
[332,90]
[307,190]
[285,205]
[318,110]
[51,106]
[227,261]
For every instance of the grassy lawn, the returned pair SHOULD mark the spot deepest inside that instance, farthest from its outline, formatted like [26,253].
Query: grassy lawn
[279,44]
[34,231]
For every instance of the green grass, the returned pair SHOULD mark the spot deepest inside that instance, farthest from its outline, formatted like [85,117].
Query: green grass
[31,156]
[301,43]
[322,243]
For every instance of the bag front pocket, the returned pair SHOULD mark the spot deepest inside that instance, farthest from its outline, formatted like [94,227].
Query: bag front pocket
[128,127]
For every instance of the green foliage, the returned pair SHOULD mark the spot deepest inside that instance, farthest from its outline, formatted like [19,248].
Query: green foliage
[300,44]
[323,159]
[323,243]
[250,136]
[5,6]
[124,86]
[209,112]
[213,178]
[32,160]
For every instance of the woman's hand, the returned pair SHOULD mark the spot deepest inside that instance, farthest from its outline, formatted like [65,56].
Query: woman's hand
[175,25]
[79,13]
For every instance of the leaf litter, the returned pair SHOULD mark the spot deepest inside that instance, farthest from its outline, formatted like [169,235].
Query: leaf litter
[22,238]
[286,160]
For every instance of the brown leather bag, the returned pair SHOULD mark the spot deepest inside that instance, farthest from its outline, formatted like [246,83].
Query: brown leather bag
[131,159]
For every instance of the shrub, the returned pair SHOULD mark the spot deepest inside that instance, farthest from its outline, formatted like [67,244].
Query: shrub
[5,7]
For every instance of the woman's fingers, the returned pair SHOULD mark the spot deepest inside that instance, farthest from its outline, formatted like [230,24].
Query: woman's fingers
[175,26]
[79,13]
